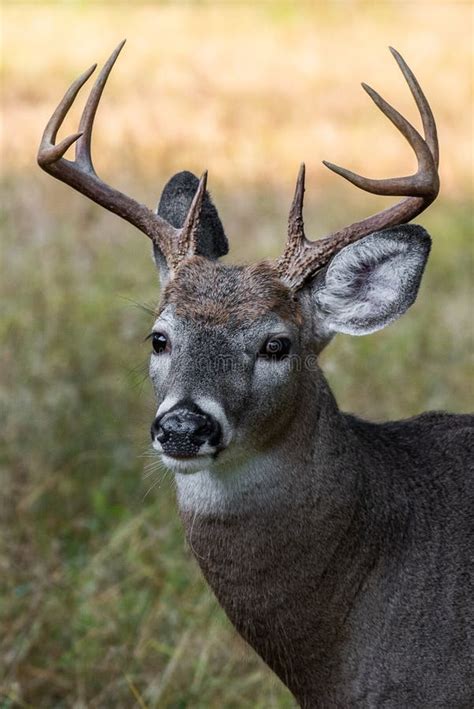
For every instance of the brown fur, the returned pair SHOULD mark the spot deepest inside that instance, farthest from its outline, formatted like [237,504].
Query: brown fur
[211,293]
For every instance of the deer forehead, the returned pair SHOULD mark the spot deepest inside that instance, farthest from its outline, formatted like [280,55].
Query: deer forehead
[211,293]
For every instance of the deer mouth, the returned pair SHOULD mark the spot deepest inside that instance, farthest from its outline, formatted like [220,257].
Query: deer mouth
[187,464]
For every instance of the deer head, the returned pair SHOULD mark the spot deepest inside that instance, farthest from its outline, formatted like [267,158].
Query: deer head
[234,346]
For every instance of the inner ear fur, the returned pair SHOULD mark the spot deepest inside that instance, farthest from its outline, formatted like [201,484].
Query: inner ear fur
[372,282]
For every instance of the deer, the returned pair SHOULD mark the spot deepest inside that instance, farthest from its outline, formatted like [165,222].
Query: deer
[340,549]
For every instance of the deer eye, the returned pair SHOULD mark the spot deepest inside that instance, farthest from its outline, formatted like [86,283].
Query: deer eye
[160,342]
[276,348]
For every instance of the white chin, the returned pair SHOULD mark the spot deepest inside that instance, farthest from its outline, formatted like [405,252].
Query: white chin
[186,465]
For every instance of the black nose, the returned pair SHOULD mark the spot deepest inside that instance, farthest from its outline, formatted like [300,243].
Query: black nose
[183,429]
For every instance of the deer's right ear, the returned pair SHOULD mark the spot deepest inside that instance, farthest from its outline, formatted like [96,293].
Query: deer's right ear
[174,205]
[372,282]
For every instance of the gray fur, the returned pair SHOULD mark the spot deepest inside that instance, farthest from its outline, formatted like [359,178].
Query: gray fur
[350,577]
[341,550]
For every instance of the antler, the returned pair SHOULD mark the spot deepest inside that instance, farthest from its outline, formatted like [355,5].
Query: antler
[302,258]
[176,244]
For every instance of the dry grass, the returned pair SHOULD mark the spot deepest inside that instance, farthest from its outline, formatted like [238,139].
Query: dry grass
[247,91]
[102,605]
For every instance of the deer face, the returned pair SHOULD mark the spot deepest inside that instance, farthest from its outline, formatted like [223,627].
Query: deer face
[224,365]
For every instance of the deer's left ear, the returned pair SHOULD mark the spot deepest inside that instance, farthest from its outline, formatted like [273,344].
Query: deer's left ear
[372,282]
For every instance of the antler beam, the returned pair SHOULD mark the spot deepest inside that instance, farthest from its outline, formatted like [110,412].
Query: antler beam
[176,244]
[302,258]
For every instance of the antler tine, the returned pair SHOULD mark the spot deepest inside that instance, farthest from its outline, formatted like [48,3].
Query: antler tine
[295,219]
[296,235]
[80,173]
[83,145]
[49,152]
[427,118]
[298,264]
[187,242]
[396,185]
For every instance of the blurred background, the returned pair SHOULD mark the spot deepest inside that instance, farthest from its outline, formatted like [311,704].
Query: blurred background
[102,604]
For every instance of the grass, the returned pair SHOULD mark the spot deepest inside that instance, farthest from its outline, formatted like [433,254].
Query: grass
[101,603]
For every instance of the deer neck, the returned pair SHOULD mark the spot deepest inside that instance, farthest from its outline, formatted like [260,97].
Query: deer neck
[281,550]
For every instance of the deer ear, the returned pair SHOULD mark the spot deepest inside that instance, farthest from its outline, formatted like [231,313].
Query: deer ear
[372,282]
[173,206]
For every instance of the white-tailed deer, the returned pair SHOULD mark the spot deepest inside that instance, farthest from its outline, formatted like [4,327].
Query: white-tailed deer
[341,550]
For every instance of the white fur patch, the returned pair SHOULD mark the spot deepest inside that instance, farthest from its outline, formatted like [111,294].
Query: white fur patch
[166,404]
[256,483]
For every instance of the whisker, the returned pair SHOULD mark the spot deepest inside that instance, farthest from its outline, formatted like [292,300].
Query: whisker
[155,484]
[149,309]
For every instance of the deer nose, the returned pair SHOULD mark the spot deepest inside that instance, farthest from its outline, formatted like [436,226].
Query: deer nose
[184,430]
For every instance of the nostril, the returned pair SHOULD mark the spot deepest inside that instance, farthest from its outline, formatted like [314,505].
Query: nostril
[157,432]
[209,431]
[204,430]
[161,435]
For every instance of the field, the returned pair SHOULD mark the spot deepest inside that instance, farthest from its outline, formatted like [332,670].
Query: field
[101,603]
